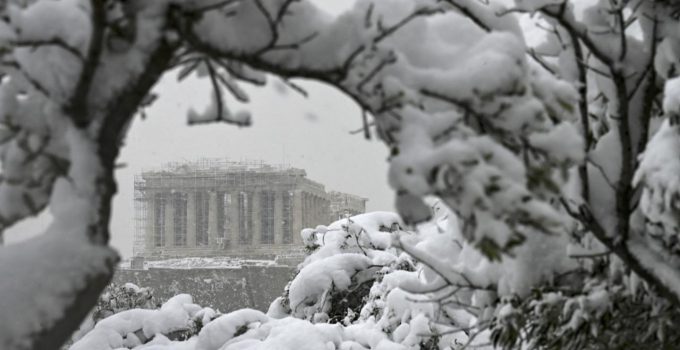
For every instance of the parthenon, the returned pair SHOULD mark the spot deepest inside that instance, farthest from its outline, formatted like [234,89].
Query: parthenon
[214,207]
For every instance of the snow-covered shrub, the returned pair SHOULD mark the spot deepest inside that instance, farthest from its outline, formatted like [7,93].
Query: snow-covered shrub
[177,320]
[114,299]
[117,298]
[346,293]
[370,284]
[603,315]
[345,258]
[348,279]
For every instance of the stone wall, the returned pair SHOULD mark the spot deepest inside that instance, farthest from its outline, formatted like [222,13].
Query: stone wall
[222,289]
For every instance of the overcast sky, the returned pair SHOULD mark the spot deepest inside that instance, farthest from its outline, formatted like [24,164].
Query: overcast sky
[312,134]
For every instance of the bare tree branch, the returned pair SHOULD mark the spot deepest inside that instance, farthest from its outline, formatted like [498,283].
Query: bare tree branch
[58,42]
[77,106]
[579,30]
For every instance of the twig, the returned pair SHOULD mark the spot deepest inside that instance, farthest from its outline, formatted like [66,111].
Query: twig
[58,42]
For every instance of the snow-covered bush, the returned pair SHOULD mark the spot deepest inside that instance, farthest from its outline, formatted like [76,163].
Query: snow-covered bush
[178,319]
[369,284]
[114,299]
[346,293]
[117,298]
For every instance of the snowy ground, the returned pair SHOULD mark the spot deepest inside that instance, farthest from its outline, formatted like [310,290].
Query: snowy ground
[200,263]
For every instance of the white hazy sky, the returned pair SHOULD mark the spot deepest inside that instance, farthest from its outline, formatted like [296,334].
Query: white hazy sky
[310,133]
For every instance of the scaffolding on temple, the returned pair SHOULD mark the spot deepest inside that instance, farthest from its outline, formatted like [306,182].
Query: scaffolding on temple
[216,206]
[140,217]
[204,172]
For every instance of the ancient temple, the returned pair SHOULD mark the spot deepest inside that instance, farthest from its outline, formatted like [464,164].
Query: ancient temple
[244,209]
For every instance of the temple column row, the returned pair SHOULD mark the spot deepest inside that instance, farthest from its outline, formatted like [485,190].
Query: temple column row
[232,225]
[212,217]
[169,227]
[191,219]
[301,204]
[278,216]
[256,218]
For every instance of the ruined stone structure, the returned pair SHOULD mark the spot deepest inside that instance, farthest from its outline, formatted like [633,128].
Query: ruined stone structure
[222,208]
[225,290]
[345,204]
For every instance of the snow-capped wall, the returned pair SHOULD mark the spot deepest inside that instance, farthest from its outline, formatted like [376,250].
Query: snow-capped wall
[221,289]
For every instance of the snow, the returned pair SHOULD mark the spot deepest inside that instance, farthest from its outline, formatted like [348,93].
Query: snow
[214,114]
[659,174]
[48,281]
[125,327]
[671,99]
[534,5]
[317,278]
[205,263]
[603,173]
[57,68]
[664,62]
[397,313]
[37,281]
[656,264]
[225,327]
[565,132]
[438,81]
[131,288]
[469,119]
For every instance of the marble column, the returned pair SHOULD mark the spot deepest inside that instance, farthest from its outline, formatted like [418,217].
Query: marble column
[256,218]
[278,217]
[212,218]
[150,223]
[232,234]
[169,231]
[191,219]
[298,216]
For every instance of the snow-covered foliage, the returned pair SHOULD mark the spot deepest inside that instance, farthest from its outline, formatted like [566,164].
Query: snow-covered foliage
[566,148]
[369,284]
[117,298]
[345,296]
[176,320]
